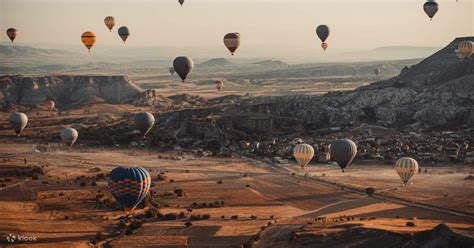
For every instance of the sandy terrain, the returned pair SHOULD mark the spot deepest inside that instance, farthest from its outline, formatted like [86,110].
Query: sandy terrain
[61,212]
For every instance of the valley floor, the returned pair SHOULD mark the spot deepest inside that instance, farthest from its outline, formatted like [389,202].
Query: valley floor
[272,204]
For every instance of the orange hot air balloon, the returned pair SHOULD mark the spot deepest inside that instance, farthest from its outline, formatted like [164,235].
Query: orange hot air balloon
[11,33]
[49,105]
[88,39]
[324,45]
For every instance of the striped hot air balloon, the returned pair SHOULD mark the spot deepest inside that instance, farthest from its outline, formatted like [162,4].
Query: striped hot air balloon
[232,41]
[12,33]
[466,48]
[406,168]
[129,186]
[303,153]
[343,151]
[88,39]
[109,22]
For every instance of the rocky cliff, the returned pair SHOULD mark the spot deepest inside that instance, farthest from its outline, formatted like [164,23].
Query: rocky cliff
[67,91]
[437,92]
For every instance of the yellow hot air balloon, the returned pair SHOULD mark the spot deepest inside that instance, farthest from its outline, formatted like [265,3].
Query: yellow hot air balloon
[303,153]
[406,168]
[109,22]
[88,39]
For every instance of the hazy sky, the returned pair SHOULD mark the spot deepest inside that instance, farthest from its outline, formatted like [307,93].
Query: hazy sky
[276,27]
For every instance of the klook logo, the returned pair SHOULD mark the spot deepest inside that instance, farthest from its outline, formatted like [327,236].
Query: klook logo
[12,238]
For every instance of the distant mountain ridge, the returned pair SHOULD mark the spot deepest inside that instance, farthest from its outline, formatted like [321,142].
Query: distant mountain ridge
[391,52]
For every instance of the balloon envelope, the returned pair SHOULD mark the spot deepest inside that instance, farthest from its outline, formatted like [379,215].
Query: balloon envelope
[18,121]
[232,41]
[219,84]
[144,122]
[181,2]
[123,33]
[88,39]
[183,66]
[49,105]
[466,48]
[69,136]
[343,151]
[129,185]
[172,71]
[303,153]
[323,32]
[406,168]
[376,71]
[430,8]
[12,33]
[109,22]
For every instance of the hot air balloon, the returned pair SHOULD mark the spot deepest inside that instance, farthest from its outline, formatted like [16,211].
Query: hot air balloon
[129,185]
[219,84]
[88,39]
[183,66]
[109,22]
[123,33]
[181,2]
[232,41]
[49,105]
[376,71]
[144,122]
[172,71]
[465,49]
[323,33]
[430,8]
[303,153]
[11,33]
[69,136]
[343,151]
[18,121]
[406,168]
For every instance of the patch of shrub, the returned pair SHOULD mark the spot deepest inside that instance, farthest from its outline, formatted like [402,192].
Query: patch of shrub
[234,217]
[206,216]
[83,184]
[410,223]
[370,191]
[179,192]
[171,216]
[188,223]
